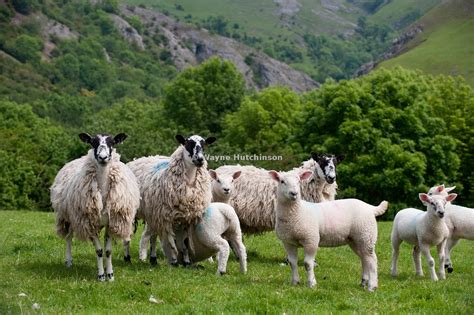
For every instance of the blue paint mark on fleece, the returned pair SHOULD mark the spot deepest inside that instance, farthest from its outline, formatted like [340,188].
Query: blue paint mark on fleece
[161,166]
[207,216]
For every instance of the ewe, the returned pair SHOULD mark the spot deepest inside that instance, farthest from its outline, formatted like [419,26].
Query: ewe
[96,191]
[327,224]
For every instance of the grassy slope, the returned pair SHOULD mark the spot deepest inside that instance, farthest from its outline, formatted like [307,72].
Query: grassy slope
[395,11]
[31,262]
[447,44]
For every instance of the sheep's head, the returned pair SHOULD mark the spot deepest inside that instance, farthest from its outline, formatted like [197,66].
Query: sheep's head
[326,165]
[223,184]
[436,203]
[194,147]
[103,145]
[440,190]
[289,184]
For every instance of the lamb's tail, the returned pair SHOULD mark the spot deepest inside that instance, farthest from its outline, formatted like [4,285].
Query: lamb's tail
[381,208]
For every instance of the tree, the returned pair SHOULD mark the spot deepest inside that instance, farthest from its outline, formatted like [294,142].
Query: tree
[26,48]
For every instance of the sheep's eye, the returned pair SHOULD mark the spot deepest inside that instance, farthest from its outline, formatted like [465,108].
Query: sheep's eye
[219,181]
[282,182]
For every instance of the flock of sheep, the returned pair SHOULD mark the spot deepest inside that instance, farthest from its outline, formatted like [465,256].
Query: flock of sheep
[197,213]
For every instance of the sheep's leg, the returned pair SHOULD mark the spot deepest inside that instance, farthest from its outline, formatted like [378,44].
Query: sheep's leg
[108,257]
[143,243]
[153,259]
[222,256]
[447,259]
[239,249]
[417,260]
[425,249]
[441,252]
[100,262]
[170,250]
[68,250]
[395,253]
[309,253]
[292,254]
[126,247]
[370,261]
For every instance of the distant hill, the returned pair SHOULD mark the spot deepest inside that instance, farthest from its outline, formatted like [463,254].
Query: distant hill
[446,43]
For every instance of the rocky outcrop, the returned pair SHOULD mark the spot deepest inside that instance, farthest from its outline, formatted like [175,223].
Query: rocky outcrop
[128,32]
[190,46]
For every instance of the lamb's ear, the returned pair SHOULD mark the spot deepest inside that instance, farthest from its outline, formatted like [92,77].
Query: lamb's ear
[451,197]
[340,158]
[236,174]
[440,188]
[448,189]
[120,138]
[424,198]
[85,137]
[315,156]
[305,175]
[274,175]
[180,139]
[213,174]
[210,140]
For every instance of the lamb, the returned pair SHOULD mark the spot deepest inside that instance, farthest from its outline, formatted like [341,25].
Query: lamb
[422,229]
[175,192]
[253,197]
[460,223]
[222,185]
[96,191]
[311,225]
[212,234]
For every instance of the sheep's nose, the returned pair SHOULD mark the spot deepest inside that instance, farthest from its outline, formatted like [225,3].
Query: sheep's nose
[293,194]
[226,190]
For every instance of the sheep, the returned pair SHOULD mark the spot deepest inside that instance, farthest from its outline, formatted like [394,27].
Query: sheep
[175,192]
[460,223]
[218,227]
[311,225]
[422,229]
[222,185]
[253,197]
[96,191]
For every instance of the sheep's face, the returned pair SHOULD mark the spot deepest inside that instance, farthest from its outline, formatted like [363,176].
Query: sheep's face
[103,145]
[194,146]
[223,184]
[436,204]
[289,184]
[326,166]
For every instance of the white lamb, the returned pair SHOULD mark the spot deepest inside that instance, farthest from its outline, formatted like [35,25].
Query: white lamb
[175,192]
[460,223]
[96,191]
[327,224]
[422,229]
[223,185]
[253,197]
[218,227]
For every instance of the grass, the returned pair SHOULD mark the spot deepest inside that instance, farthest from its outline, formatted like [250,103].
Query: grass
[31,262]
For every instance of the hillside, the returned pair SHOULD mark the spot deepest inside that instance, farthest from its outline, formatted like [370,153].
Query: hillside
[446,44]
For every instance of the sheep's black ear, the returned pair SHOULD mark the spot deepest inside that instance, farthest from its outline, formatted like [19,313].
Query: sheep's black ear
[340,158]
[85,137]
[180,139]
[120,138]
[210,140]
[315,156]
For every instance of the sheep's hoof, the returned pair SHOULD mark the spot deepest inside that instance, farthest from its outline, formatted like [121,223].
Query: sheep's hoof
[371,289]
[174,264]
[221,273]
[101,277]
[110,277]
[311,284]
[364,283]
[127,258]
[68,263]
[295,282]
[153,261]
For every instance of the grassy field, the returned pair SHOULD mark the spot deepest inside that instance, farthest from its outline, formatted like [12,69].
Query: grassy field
[31,262]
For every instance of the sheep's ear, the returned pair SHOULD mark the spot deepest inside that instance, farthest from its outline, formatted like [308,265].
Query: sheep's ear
[448,189]
[315,156]
[340,158]
[236,174]
[120,138]
[440,188]
[451,197]
[85,137]
[424,198]
[274,175]
[210,140]
[180,139]
[213,174]
[305,175]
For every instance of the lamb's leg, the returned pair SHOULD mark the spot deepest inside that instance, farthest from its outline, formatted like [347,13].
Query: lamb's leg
[447,259]
[239,250]
[417,260]
[441,251]
[68,250]
[126,247]
[153,259]
[100,263]
[222,256]
[370,260]
[108,256]
[292,254]
[395,252]
[425,249]
[357,248]
[309,253]
[143,243]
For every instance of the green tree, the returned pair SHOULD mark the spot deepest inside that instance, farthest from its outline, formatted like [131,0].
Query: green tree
[26,48]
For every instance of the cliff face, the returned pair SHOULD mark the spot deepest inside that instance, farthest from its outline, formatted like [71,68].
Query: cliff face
[190,46]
